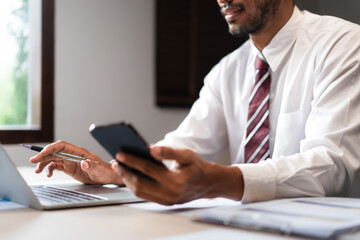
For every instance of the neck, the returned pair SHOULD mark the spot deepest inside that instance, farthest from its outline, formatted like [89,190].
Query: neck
[263,37]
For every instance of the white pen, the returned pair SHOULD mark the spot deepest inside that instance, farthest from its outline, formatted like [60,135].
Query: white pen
[66,156]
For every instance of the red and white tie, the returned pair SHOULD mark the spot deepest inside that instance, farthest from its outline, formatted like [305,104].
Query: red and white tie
[257,134]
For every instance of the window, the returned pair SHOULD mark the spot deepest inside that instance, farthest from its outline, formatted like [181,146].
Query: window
[26,70]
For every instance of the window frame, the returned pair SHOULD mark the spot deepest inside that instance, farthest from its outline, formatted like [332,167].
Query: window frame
[46,131]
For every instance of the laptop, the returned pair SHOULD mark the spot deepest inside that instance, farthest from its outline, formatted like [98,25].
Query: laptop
[57,196]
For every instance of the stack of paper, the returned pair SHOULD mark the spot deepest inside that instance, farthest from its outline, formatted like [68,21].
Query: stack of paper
[311,217]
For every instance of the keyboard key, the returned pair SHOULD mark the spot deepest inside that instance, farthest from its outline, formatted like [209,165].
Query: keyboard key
[61,195]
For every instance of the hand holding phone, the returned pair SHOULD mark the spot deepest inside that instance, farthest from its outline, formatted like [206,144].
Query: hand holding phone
[122,137]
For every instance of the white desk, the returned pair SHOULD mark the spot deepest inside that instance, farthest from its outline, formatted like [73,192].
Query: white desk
[109,222]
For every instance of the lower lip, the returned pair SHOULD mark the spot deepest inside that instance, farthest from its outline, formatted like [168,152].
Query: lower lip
[231,17]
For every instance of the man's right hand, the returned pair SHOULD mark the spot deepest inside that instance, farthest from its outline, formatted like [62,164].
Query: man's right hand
[93,171]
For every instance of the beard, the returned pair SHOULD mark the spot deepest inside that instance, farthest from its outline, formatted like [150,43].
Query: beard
[264,12]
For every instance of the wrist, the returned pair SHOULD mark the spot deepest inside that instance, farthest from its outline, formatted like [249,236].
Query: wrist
[225,181]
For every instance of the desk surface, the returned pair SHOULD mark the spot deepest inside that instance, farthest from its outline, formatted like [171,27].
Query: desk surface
[117,221]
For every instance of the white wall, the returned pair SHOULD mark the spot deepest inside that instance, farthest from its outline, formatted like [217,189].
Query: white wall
[105,72]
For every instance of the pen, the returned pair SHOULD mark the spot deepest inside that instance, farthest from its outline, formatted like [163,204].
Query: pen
[66,156]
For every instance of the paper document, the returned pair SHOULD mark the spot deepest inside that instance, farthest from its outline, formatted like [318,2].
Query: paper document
[321,218]
[216,234]
[190,209]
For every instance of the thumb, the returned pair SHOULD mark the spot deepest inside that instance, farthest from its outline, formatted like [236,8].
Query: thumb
[182,156]
[85,165]
[89,166]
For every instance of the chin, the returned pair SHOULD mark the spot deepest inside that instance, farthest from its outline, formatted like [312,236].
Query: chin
[237,31]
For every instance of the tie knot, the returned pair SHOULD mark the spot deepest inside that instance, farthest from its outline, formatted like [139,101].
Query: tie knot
[260,64]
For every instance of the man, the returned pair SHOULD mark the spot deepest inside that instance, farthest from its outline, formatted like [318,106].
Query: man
[287,100]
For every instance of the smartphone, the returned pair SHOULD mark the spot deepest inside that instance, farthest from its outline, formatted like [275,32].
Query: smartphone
[122,137]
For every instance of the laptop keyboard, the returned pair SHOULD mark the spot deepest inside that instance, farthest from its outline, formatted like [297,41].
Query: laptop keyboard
[61,195]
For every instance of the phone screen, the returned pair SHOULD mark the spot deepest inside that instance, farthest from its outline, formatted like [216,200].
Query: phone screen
[122,137]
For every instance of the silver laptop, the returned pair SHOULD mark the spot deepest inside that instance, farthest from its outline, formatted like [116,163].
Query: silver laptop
[55,196]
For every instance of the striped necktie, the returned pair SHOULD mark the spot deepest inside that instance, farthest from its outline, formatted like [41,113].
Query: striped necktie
[257,134]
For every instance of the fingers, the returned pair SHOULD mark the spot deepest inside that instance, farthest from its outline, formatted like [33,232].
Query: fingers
[166,187]
[60,146]
[92,171]
[143,187]
[47,158]
[54,166]
[41,164]
[143,165]
[115,166]
[84,166]
[182,156]
[91,167]
[99,172]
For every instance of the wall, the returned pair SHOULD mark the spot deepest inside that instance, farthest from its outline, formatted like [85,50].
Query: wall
[346,9]
[105,72]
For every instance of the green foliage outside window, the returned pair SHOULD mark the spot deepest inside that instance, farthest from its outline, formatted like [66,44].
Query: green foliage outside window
[14,110]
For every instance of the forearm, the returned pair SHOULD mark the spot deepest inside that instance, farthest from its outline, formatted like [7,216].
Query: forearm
[314,173]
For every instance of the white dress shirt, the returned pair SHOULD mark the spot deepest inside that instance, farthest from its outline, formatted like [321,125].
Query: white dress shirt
[314,111]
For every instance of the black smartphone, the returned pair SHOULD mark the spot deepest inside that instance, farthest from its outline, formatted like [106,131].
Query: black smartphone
[122,137]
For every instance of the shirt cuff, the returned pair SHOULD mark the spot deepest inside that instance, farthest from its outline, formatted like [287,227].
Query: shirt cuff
[259,182]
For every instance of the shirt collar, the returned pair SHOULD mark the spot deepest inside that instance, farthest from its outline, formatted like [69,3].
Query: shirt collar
[281,43]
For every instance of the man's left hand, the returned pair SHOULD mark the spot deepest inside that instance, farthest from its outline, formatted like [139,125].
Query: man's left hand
[191,178]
